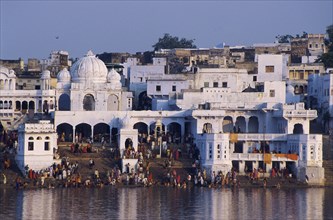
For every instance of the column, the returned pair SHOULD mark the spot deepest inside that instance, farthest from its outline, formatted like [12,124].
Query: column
[74,134]
[241,167]
[182,128]
[92,133]
[247,125]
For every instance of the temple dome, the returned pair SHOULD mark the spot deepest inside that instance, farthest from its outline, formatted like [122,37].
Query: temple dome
[114,79]
[46,74]
[89,68]
[64,76]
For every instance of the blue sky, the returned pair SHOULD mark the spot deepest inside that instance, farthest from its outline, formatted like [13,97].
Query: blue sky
[28,29]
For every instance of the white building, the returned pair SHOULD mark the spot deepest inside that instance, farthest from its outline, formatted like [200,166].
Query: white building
[231,115]
[37,144]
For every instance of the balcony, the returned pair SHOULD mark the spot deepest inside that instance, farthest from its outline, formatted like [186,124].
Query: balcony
[260,157]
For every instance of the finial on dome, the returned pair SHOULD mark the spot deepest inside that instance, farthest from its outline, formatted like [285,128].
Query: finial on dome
[90,53]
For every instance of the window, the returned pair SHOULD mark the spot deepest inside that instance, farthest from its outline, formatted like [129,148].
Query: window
[224,84]
[271,93]
[158,88]
[210,151]
[174,88]
[254,78]
[30,146]
[215,84]
[37,87]
[47,146]
[269,69]
[310,45]
[206,84]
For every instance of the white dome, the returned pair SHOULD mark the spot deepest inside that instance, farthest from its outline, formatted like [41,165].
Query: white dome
[7,72]
[114,78]
[64,76]
[89,68]
[46,74]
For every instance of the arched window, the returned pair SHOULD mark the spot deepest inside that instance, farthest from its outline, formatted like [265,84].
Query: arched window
[89,103]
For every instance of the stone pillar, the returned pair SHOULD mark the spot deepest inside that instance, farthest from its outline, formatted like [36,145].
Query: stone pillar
[241,167]
[74,135]
[182,135]
[268,167]
[247,125]
[92,133]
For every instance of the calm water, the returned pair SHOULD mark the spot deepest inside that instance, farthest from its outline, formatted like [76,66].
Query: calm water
[167,203]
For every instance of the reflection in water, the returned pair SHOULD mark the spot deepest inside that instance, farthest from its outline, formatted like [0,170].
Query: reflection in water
[166,203]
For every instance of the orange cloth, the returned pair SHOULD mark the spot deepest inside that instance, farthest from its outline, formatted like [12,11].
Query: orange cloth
[267,158]
[233,137]
[289,156]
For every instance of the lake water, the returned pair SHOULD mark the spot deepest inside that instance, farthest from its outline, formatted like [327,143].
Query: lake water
[167,203]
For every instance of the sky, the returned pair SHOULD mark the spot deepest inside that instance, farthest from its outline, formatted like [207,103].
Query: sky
[32,29]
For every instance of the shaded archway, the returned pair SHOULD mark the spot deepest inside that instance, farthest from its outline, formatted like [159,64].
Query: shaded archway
[227,124]
[128,143]
[240,125]
[298,129]
[65,132]
[89,103]
[253,126]
[17,105]
[114,133]
[82,132]
[207,128]
[113,103]
[142,131]
[101,132]
[45,107]
[175,130]
[31,105]
[152,128]
[144,102]
[64,103]
[141,127]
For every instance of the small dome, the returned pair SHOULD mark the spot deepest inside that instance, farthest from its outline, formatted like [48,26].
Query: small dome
[113,75]
[114,79]
[7,72]
[46,74]
[64,76]
[89,68]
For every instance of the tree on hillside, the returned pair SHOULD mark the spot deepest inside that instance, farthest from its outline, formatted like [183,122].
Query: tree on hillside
[327,58]
[170,42]
[287,37]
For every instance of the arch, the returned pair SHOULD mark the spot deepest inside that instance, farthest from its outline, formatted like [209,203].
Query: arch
[39,138]
[113,103]
[227,124]
[175,130]
[296,89]
[45,107]
[31,105]
[128,143]
[65,132]
[152,128]
[298,129]
[64,102]
[240,124]
[10,104]
[101,132]
[141,127]
[24,106]
[5,105]
[31,138]
[144,102]
[17,105]
[114,133]
[1,105]
[207,128]
[82,131]
[253,126]
[10,84]
[89,103]
[47,138]
[301,90]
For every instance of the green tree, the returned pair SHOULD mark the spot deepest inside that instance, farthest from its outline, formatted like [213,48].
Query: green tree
[171,42]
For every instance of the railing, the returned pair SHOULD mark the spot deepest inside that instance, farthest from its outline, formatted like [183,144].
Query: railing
[256,157]
[296,113]
[261,136]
